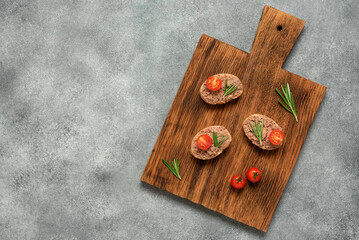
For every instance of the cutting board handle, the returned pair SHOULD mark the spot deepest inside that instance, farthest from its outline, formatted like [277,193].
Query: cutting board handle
[276,34]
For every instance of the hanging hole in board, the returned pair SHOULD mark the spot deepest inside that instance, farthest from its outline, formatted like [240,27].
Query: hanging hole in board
[279,28]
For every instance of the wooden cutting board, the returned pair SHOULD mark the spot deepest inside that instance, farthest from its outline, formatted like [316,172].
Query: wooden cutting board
[208,182]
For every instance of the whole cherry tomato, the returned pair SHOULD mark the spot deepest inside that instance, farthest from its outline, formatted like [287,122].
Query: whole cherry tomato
[254,175]
[238,181]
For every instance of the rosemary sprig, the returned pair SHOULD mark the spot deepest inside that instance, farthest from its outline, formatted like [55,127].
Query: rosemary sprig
[258,130]
[221,140]
[215,140]
[228,89]
[174,169]
[288,99]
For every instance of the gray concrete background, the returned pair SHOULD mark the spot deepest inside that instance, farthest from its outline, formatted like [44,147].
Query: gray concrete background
[85,87]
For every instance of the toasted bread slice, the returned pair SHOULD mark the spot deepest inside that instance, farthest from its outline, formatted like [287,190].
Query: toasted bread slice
[216,97]
[268,126]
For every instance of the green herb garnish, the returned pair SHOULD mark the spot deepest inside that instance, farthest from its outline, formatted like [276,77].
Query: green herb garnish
[288,99]
[258,130]
[174,169]
[228,90]
[221,140]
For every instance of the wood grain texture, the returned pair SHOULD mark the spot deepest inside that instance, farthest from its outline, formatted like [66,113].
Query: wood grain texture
[208,182]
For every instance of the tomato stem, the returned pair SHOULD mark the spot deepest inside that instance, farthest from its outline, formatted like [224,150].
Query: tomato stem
[239,178]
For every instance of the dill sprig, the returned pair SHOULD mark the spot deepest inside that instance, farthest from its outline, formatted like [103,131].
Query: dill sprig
[288,99]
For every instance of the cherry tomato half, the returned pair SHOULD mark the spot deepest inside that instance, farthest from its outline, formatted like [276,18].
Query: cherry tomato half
[276,137]
[254,175]
[238,181]
[204,142]
[214,83]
